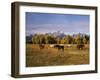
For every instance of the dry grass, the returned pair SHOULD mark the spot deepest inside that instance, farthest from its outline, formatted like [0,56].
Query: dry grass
[51,57]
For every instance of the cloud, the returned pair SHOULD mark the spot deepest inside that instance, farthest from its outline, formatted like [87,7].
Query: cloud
[71,27]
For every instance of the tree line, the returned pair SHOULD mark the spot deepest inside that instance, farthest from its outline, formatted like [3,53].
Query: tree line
[50,39]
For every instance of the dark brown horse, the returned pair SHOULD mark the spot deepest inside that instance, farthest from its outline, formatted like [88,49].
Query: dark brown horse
[59,47]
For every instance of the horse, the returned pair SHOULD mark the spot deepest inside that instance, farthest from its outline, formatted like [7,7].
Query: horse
[41,46]
[59,47]
[69,46]
[51,46]
[80,46]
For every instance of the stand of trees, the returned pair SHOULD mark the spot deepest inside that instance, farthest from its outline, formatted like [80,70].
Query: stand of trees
[68,39]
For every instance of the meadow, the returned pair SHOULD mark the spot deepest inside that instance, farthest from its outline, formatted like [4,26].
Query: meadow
[48,56]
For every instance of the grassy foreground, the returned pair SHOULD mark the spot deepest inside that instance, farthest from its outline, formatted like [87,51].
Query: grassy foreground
[53,57]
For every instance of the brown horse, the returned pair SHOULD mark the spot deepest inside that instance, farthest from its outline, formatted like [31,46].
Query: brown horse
[41,46]
[80,46]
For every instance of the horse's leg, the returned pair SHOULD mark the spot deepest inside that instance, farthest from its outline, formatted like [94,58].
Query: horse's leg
[63,49]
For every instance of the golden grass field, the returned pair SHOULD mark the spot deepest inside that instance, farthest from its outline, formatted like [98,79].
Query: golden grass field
[36,57]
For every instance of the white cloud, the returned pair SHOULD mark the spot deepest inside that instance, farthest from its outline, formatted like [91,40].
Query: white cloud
[71,27]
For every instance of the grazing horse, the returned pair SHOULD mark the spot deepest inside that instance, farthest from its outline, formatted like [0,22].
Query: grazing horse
[80,46]
[41,46]
[59,47]
[51,46]
[69,46]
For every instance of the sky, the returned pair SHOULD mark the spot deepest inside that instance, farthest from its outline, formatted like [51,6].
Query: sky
[42,23]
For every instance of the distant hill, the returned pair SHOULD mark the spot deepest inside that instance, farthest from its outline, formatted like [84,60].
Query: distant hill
[57,34]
